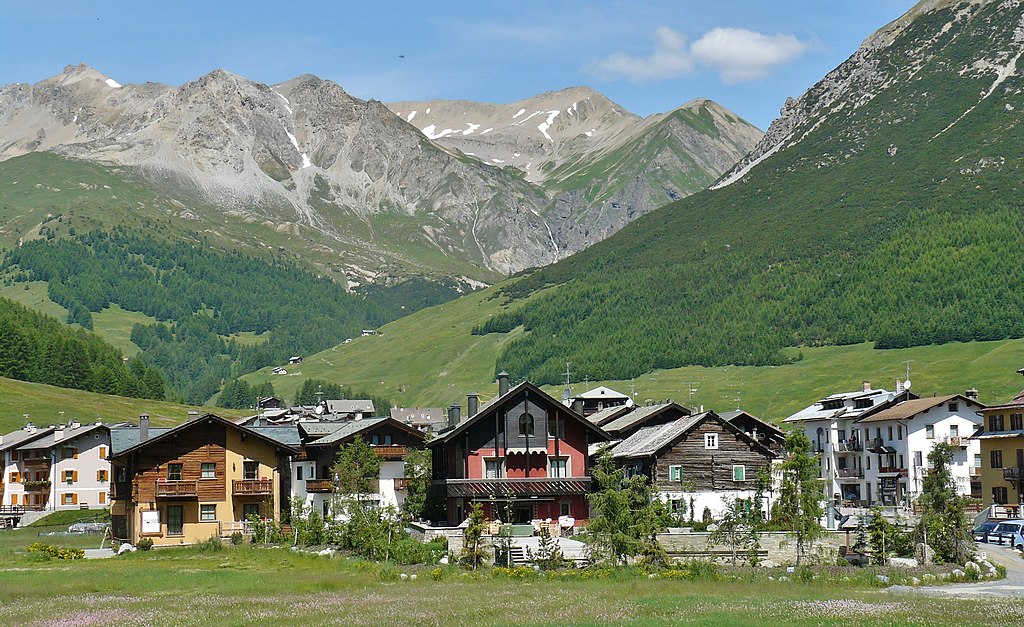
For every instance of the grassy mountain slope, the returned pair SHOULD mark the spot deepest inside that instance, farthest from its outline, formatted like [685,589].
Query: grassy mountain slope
[44,402]
[431,359]
[891,215]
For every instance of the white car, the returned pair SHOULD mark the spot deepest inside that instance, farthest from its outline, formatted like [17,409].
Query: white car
[1009,532]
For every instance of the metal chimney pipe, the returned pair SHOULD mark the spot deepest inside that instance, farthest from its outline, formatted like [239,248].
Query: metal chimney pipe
[143,427]
[502,383]
[577,405]
[454,415]
[472,404]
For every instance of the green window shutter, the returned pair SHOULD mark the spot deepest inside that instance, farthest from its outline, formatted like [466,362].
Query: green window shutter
[739,473]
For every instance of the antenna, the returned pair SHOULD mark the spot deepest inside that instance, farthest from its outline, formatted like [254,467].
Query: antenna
[691,391]
[319,394]
[632,388]
[906,384]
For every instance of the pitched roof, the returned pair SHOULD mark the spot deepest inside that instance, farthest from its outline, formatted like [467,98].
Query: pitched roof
[1016,403]
[910,408]
[313,428]
[69,434]
[355,427]
[21,436]
[418,414]
[488,409]
[608,414]
[817,411]
[649,440]
[345,406]
[641,415]
[285,434]
[601,392]
[165,433]
[123,438]
[729,416]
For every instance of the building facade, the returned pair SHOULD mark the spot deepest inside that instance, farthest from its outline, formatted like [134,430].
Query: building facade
[1001,452]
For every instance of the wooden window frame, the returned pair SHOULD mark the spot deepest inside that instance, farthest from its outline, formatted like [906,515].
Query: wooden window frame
[202,470]
[180,471]
[743,470]
[207,508]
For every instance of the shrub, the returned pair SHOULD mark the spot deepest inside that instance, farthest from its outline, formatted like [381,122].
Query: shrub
[406,550]
[145,544]
[237,538]
[60,553]
[212,543]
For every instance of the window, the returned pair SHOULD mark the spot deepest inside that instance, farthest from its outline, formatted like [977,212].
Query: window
[1017,422]
[953,407]
[929,432]
[250,471]
[384,439]
[995,422]
[564,508]
[860,403]
[103,498]
[711,440]
[175,518]
[977,460]
[173,474]
[899,432]
[207,513]
[677,506]
[890,433]
[675,473]
[70,452]
[739,473]
[250,509]
[298,473]
[559,468]
[996,459]
[526,424]
[70,476]
[101,476]
[868,457]
[492,468]
[209,470]
[917,458]
[68,498]
[556,427]
[954,431]
[999,495]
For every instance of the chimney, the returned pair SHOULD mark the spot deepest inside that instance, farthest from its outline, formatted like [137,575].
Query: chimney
[972,394]
[453,415]
[899,387]
[58,434]
[865,386]
[502,383]
[31,428]
[143,427]
[472,405]
[577,405]
[74,424]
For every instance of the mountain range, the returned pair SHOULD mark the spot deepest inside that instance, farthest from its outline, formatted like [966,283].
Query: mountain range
[370,194]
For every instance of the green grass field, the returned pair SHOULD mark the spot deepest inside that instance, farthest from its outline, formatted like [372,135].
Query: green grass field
[43,404]
[247,585]
[431,359]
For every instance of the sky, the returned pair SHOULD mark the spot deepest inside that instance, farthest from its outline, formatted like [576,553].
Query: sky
[649,57]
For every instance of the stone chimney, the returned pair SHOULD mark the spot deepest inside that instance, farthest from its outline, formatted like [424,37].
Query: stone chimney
[74,424]
[58,435]
[577,405]
[865,386]
[143,427]
[454,415]
[972,394]
[472,405]
[502,383]
[31,428]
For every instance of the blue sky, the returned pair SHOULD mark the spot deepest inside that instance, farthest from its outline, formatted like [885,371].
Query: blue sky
[647,56]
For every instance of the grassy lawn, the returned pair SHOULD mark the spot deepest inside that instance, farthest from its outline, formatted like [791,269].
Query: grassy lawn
[246,585]
[43,404]
[14,541]
[114,325]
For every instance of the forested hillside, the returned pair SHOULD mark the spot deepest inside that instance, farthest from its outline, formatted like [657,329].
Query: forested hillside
[890,214]
[40,349]
[201,296]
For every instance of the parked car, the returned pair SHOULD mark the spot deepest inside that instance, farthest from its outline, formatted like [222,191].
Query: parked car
[1009,532]
[984,530]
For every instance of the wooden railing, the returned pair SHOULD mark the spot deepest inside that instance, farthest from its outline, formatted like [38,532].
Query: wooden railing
[177,488]
[37,486]
[892,469]
[36,462]
[244,487]
[389,451]
[319,485]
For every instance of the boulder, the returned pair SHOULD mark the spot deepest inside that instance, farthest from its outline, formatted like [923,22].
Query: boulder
[914,581]
[972,566]
[924,553]
[957,573]
[882,578]
[125,548]
[903,562]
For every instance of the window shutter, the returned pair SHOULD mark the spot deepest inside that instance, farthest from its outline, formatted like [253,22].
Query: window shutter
[74,476]
[75,451]
[63,499]
[103,497]
[74,499]
[99,475]
[103,452]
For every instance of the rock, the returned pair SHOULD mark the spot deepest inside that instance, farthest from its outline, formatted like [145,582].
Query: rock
[924,553]
[914,581]
[783,578]
[443,560]
[768,564]
[325,552]
[957,573]
[770,578]
[412,577]
[987,565]
[882,578]
[972,566]
[403,577]
[903,562]
[125,548]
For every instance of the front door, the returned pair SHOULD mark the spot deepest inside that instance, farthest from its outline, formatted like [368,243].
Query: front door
[175,520]
[250,509]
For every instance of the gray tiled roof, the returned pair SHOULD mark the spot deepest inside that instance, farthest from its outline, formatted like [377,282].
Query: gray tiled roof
[349,429]
[122,438]
[320,428]
[344,406]
[607,414]
[649,440]
[285,434]
[15,438]
[635,417]
[51,439]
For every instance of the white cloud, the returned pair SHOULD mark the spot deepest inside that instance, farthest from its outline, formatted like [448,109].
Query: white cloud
[736,54]
[742,55]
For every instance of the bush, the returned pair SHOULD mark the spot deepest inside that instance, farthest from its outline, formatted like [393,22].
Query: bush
[145,544]
[405,550]
[237,538]
[60,553]
[212,543]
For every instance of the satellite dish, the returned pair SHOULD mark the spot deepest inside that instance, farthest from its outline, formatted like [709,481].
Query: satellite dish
[906,384]
[319,410]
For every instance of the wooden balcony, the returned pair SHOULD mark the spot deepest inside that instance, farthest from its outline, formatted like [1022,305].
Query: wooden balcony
[319,485]
[37,486]
[252,487]
[177,489]
[505,488]
[390,452]
[36,462]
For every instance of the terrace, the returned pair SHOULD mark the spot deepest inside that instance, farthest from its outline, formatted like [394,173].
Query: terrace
[174,489]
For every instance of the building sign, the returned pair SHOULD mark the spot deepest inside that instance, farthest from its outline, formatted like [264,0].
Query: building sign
[151,522]
[888,487]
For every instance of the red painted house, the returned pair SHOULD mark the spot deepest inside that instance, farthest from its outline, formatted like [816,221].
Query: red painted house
[523,456]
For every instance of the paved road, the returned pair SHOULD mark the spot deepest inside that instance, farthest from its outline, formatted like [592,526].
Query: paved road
[99,553]
[1011,586]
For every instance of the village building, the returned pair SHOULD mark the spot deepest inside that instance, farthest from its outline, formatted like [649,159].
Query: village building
[601,397]
[763,432]
[201,479]
[698,463]
[66,468]
[344,409]
[20,470]
[899,435]
[523,456]
[426,419]
[630,422]
[1001,456]
[311,468]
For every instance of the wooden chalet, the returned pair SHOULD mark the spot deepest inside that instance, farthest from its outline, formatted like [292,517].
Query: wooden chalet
[199,480]
[696,460]
[625,425]
[523,456]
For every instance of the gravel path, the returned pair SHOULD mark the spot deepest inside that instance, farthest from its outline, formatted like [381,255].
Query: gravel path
[1010,587]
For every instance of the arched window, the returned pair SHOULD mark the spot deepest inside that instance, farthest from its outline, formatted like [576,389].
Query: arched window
[526,424]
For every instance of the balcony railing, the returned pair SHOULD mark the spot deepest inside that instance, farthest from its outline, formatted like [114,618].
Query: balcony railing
[975,471]
[850,446]
[36,462]
[390,452]
[177,488]
[319,485]
[1013,474]
[37,486]
[252,487]
[892,470]
[503,488]
[850,473]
